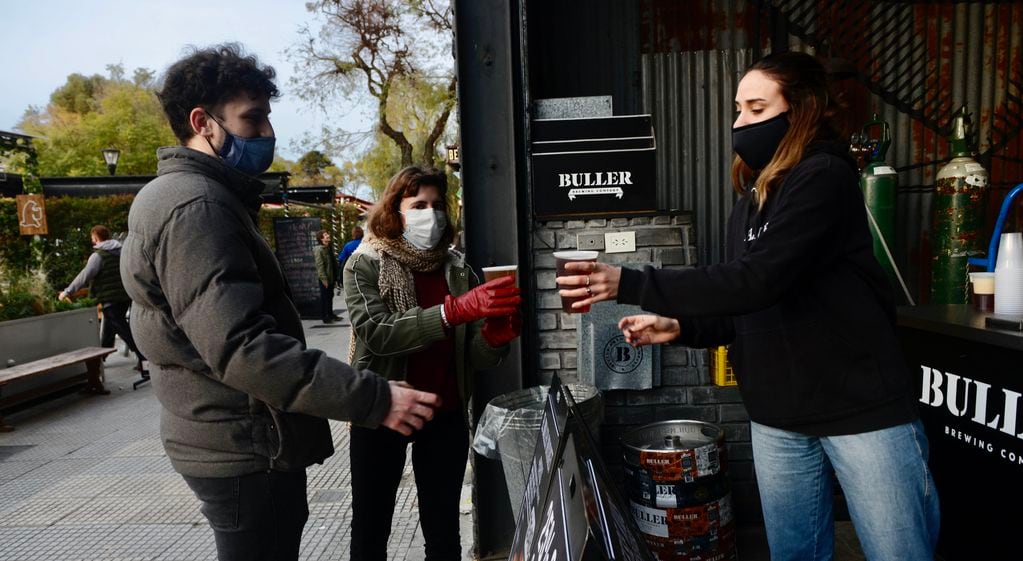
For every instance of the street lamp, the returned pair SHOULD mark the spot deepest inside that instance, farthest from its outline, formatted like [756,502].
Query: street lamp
[110,155]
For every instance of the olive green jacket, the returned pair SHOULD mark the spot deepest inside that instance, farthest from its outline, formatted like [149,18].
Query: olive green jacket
[325,265]
[383,339]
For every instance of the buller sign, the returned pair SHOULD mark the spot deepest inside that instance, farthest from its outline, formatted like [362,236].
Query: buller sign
[602,166]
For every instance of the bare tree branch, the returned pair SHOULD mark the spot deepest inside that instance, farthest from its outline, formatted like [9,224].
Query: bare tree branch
[373,45]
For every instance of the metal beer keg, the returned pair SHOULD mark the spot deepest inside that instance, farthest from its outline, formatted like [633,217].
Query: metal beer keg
[678,490]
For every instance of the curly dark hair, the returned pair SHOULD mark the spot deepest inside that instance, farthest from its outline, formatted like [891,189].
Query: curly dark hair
[208,78]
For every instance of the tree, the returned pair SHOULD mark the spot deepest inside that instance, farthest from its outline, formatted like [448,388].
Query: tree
[382,47]
[313,163]
[90,113]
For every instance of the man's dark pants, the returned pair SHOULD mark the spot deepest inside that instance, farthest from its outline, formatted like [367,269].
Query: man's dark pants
[326,303]
[439,453]
[115,322]
[255,517]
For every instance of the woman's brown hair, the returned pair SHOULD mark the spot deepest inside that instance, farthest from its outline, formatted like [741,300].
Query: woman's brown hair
[385,217]
[804,85]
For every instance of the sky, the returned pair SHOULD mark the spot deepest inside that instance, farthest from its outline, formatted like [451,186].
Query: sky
[44,41]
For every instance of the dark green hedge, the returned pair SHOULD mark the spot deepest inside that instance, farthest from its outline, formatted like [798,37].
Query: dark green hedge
[64,251]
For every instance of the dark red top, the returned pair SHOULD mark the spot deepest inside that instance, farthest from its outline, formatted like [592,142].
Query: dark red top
[433,368]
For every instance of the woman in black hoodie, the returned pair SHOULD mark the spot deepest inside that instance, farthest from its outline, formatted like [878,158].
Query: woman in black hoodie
[810,317]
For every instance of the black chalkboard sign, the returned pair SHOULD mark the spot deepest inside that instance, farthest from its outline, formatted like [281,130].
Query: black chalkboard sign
[296,244]
[570,510]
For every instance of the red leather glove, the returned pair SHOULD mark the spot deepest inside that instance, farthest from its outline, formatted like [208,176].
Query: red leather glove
[500,331]
[499,297]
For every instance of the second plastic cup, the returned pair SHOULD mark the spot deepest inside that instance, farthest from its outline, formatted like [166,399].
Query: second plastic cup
[491,273]
[561,258]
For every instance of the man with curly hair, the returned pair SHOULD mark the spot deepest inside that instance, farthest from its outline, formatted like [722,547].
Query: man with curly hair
[244,401]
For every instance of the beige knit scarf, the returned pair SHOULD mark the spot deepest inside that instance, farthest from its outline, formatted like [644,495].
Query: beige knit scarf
[398,260]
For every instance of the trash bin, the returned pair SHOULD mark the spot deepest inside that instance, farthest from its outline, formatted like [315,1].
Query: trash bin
[509,426]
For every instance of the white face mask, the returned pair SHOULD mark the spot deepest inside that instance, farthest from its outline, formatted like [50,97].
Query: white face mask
[424,227]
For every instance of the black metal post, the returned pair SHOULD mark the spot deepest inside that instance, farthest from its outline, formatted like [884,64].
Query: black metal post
[491,116]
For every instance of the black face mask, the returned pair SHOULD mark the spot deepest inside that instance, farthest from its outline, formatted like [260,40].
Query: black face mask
[757,143]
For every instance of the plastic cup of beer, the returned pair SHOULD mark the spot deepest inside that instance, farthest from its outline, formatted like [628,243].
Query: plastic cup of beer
[983,285]
[491,273]
[561,258]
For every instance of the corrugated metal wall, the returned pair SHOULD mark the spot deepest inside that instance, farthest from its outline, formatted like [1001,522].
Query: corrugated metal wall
[690,96]
[914,62]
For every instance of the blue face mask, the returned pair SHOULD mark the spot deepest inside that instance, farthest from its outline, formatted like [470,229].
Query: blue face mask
[252,156]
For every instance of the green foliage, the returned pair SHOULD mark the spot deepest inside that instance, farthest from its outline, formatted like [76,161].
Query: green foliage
[314,162]
[61,254]
[88,114]
[78,94]
[23,295]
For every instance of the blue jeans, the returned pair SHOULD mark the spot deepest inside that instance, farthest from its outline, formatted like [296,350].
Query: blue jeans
[257,517]
[885,479]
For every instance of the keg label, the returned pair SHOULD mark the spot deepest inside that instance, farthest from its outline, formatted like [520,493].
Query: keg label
[673,494]
[697,548]
[682,465]
[701,520]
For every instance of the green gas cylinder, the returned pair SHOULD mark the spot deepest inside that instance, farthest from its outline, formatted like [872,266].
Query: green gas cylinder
[879,183]
[958,227]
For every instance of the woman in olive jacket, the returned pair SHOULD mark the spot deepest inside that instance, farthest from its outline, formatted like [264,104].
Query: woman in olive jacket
[415,319]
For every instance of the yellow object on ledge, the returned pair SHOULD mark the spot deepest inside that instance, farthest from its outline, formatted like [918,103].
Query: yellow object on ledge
[720,369]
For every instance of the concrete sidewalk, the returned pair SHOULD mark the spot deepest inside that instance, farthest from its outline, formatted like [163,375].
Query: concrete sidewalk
[86,478]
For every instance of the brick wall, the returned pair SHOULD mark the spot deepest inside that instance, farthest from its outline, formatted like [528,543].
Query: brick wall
[686,390]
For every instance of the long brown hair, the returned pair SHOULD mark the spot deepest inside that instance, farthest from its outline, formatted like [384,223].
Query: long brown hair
[385,217]
[804,85]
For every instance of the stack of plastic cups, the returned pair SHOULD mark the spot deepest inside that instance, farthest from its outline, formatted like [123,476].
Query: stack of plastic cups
[1009,275]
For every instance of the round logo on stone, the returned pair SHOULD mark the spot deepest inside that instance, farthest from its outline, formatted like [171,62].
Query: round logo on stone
[621,357]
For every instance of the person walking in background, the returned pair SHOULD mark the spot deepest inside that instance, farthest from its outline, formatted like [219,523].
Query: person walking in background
[243,401]
[810,316]
[349,248]
[102,274]
[416,320]
[326,277]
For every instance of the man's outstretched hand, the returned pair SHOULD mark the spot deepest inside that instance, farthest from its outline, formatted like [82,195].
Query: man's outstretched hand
[410,408]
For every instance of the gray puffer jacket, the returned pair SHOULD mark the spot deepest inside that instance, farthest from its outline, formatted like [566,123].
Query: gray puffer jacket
[240,391]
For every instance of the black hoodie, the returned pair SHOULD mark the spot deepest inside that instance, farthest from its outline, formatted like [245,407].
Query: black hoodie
[808,311]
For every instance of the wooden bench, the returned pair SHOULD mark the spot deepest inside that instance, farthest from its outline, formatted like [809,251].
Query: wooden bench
[91,356]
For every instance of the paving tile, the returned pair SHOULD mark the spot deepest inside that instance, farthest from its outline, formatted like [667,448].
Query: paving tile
[82,486]
[151,446]
[171,509]
[41,512]
[196,543]
[62,467]
[148,485]
[17,542]
[132,465]
[13,492]
[12,470]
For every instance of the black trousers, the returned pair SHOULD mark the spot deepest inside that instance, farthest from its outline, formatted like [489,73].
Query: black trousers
[326,302]
[116,322]
[257,517]
[439,453]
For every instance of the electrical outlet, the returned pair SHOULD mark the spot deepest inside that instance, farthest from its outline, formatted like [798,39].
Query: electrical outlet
[619,242]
